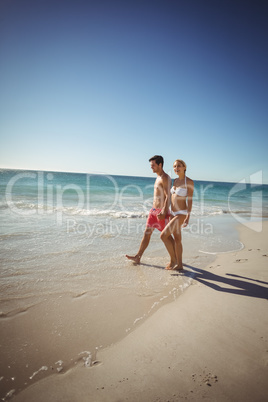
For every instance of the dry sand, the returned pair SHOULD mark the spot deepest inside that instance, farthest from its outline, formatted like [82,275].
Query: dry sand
[209,344]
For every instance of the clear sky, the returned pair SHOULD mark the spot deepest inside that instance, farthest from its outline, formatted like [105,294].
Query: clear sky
[101,86]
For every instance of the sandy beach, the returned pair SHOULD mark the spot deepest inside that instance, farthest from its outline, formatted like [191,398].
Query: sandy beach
[209,344]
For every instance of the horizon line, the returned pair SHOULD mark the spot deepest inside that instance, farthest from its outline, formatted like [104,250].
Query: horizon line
[123,175]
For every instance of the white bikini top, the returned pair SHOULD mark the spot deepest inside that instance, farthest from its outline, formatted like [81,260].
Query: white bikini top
[181,191]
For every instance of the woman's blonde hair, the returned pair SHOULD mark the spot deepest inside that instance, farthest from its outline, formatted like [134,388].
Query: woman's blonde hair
[182,162]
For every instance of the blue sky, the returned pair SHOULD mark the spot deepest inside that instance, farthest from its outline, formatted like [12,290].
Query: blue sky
[101,86]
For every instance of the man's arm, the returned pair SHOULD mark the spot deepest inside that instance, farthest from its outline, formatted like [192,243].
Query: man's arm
[166,183]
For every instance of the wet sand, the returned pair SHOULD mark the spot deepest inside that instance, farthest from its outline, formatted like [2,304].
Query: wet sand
[211,343]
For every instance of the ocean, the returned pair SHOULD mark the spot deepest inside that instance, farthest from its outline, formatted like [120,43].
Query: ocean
[66,235]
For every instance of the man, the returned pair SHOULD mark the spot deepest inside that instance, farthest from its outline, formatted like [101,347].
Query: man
[159,214]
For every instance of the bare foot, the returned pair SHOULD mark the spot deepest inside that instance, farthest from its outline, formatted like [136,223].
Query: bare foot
[135,258]
[177,268]
[171,265]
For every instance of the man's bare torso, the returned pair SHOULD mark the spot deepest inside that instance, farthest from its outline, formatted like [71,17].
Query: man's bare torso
[159,195]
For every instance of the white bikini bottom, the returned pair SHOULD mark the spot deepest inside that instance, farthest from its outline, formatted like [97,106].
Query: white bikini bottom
[181,212]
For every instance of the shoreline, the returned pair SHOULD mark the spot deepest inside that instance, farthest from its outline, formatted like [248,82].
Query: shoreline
[38,334]
[211,343]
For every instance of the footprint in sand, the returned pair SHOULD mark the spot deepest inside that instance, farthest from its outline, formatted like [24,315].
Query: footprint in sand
[208,379]
[241,260]
[96,363]
[79,295]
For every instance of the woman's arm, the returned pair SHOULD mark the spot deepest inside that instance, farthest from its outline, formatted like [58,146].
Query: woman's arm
[190,191]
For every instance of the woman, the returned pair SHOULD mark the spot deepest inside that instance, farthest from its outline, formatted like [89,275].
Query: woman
[181,206]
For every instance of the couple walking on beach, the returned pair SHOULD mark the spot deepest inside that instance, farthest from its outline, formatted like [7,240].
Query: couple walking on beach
[168,221]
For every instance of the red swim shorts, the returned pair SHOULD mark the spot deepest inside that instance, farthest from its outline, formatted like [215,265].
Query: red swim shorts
[154,222]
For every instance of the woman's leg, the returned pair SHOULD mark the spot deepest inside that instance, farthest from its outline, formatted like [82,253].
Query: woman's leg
[178,244]
[166,237]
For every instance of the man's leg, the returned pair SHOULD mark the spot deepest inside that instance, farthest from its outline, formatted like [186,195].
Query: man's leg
[144,244]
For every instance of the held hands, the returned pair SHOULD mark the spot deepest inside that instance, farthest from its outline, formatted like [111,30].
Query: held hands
[161,216]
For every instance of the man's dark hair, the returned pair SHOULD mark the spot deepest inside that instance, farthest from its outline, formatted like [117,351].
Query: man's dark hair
[158,159]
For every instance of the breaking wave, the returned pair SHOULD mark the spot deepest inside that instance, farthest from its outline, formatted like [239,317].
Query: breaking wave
[26,207]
